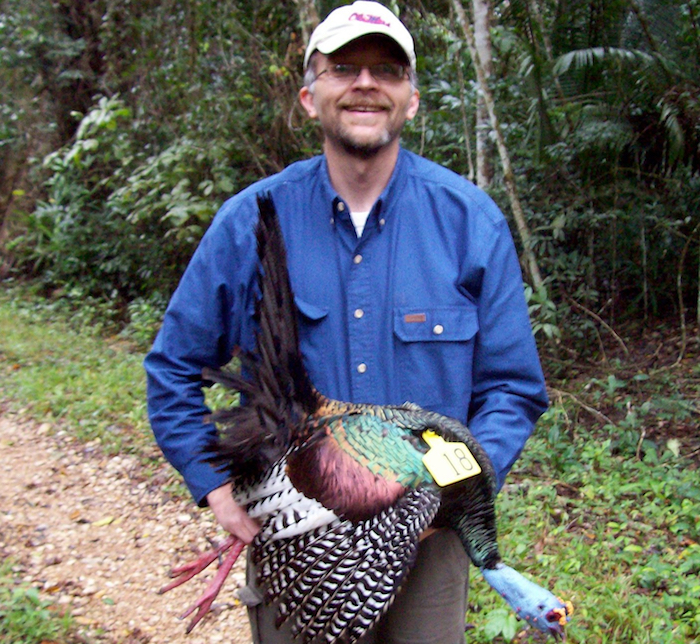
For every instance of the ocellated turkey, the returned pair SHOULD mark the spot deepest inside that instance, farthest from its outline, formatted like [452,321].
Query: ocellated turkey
[344,491]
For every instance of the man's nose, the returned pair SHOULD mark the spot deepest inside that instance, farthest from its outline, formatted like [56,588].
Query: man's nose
[365,78]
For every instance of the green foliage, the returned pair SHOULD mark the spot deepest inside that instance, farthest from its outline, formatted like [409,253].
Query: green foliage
[69,241]
[442,128]
[114,225]
[145,317]
[500,622]
[183,120]
[153,114]
[619,536]
[174,191]
[608,514]
[25,618]
[59,370]
[604,198]
[543,313]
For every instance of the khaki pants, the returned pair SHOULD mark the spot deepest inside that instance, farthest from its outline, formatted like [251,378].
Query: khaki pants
[430,609]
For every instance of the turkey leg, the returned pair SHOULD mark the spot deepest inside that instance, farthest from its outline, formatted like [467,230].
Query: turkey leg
[189,570]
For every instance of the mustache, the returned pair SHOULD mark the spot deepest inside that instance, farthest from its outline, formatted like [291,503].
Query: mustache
[382,105]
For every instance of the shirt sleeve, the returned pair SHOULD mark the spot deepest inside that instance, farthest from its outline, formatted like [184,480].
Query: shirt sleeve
[207,316]
[509,392]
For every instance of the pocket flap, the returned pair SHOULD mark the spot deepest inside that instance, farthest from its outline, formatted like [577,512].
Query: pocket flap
[310,311]
[436,324]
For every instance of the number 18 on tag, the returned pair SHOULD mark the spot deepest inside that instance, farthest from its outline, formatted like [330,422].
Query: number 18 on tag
[448,462]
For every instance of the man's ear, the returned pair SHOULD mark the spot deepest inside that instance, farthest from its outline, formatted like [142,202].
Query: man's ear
[306,98]
[413,105]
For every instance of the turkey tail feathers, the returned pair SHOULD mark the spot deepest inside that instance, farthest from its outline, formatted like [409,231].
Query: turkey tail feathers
[280,360]
[272,380]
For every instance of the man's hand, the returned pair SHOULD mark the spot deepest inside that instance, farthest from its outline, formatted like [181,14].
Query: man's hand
[230,515]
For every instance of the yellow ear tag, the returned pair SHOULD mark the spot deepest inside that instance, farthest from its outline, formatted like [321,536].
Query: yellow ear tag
[448,462]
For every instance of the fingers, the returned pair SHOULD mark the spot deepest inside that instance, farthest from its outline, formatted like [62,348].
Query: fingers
[231,516]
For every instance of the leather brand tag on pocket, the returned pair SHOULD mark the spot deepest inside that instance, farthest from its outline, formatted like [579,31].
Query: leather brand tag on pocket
[414,317]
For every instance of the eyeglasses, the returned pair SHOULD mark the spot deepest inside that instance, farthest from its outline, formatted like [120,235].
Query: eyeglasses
[381,72]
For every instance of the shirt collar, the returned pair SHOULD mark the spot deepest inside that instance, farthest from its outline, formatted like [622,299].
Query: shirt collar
[382,208]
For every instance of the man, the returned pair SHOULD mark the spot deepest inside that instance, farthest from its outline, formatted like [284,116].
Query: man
[408,289]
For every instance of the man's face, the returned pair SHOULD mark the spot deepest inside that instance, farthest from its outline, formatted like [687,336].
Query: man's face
[361,115]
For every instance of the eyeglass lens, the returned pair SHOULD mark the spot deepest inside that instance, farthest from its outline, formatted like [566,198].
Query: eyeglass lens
[380,71]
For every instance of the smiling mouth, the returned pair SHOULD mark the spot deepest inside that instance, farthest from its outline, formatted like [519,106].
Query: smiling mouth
[365,108]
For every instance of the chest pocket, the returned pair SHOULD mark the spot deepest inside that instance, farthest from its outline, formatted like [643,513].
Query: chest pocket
[313,337]
[435,353]
[310,312]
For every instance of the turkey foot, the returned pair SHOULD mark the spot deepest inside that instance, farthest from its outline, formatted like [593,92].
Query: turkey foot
[189,570]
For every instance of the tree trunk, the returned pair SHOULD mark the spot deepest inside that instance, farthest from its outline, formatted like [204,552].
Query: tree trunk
[544,33]
[465,123]
[11,172]
[484,143]
[508,175]
[80,21]
[308,18]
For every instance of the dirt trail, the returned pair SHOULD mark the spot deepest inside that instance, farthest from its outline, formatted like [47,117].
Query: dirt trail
[96,535]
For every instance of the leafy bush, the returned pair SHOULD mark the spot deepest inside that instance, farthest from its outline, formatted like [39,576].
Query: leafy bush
[599,109]
[26,618]
[145,317]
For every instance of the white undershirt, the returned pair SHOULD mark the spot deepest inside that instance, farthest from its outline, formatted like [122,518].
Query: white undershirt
[359,219]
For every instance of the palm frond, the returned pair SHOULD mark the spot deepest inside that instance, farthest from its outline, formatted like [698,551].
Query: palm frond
[582,58]
[675,132]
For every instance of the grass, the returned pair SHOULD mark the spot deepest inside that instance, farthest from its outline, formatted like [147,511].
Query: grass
[25,618]
[616,535]
[57,369]
[603,509]
[606,509]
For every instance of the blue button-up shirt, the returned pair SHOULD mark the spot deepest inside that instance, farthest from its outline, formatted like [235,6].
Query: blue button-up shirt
[427,307]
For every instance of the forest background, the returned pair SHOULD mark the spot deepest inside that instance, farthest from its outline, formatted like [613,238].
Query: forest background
[125,125]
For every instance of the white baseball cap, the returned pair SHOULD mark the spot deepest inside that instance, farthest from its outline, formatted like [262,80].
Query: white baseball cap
[353,21]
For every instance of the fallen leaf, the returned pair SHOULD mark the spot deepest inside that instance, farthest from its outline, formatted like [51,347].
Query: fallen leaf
[84,621]
[674,445]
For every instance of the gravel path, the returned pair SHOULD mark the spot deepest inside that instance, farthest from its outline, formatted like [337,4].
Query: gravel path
[99,534]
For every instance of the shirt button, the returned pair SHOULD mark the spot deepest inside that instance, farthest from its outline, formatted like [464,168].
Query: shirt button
[382,222]
[359,313]
[438,329]
[341,207]
[361,368]
[357,259]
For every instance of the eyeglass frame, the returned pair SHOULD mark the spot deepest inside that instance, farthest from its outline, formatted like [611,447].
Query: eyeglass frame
[405,72]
